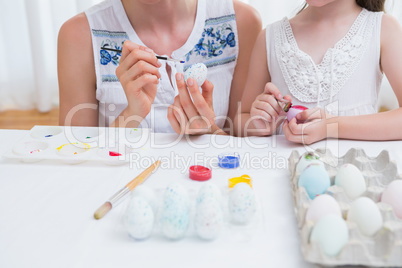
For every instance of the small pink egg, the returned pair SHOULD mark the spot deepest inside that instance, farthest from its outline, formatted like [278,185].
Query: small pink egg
[392,195]
[294,110]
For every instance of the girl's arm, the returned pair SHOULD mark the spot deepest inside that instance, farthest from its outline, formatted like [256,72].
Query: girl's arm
[381,126]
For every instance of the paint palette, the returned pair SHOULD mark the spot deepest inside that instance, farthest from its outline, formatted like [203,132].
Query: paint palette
[381,249]
[75,145]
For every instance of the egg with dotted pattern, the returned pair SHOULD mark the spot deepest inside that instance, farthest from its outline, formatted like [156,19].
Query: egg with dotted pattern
[198,72]
[139,218]
[175,214]
[242,203]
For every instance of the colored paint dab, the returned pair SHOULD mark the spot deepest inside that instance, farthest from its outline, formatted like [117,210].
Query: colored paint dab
[236,180]
[75,153]
[35,151]
[48,136]
[87,137]
[114,153]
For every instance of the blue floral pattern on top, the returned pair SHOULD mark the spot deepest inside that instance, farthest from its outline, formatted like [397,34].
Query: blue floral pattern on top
[213,42]
[110,56]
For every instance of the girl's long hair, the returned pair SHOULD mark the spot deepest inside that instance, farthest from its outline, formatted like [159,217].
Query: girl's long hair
[371,5]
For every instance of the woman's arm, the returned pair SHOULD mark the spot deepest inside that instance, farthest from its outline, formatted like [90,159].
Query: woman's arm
[249,27]
[381,126]
[76,74]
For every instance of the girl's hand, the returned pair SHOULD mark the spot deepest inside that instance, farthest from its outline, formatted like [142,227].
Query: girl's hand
[138,74]
[193,114]
[265,110]
[315,127]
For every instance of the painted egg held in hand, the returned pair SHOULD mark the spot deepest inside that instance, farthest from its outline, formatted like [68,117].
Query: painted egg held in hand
[294,110]
[198,72]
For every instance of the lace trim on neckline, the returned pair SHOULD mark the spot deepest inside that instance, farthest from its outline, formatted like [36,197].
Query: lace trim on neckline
[307,80]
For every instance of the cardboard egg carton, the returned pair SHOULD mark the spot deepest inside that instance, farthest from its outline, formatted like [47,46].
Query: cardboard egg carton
[73,145]
[384,249]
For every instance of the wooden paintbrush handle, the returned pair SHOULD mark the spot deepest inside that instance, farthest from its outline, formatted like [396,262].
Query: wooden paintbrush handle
[143,176]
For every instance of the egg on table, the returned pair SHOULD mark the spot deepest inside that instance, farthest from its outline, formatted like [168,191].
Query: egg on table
[139,218]
[242,203]
[208,221]
[321,206]
[315,180]
[366,214]
[331,233]
[146,193]
[209,190]
[392,195]
[175,215]
[351,180]
[198,72]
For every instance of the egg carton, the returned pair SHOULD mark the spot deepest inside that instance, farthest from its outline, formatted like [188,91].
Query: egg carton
[73,145]
[384,249]
[230,231]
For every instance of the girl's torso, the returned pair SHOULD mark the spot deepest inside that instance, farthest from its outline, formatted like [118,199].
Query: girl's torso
[347,80]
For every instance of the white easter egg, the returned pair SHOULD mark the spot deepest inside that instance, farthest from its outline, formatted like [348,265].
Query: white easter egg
[209,190]
[366,214]
[146,193]
[198,72]
[351,180]
[321,206]
[392,195]
[208,220]
[175,215]
[242,203]
[139,218]
[331,233]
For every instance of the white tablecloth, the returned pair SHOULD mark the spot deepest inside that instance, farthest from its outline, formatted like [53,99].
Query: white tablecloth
[46,208]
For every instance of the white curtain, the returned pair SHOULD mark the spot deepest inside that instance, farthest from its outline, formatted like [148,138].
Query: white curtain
[28,41]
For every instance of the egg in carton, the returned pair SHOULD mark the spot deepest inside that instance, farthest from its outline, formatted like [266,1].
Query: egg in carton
[384,248]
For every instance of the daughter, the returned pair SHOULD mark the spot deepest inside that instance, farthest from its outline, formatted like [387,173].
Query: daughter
[330,58]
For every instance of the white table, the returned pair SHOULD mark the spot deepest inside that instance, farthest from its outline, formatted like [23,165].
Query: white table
[46,208]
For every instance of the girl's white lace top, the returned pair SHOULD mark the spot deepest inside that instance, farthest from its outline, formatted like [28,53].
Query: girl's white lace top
[348,79]
[213,41]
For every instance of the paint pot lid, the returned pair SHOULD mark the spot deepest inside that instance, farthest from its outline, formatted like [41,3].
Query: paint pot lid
[200,173]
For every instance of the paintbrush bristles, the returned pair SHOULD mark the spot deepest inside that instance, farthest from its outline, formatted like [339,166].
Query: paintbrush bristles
[105,208]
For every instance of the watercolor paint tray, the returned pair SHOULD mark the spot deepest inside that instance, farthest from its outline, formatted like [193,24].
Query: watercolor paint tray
[75,145]
[384,249]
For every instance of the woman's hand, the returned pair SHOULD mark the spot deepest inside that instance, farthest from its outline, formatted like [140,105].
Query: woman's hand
[192,111]
[316,127]
[139,75]
[265,110]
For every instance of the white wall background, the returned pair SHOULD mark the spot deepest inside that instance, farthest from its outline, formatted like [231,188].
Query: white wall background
[28,41]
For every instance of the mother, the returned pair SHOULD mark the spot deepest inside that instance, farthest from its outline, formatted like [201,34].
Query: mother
[132,88]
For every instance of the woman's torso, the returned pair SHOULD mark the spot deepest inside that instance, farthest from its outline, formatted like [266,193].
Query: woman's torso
[213,41]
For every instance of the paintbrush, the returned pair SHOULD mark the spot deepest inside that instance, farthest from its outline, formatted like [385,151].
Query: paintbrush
[124,192]
[287,105]
[158,57]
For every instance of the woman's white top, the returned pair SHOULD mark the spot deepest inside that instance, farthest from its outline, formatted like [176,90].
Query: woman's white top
[213,41]
[348,79]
